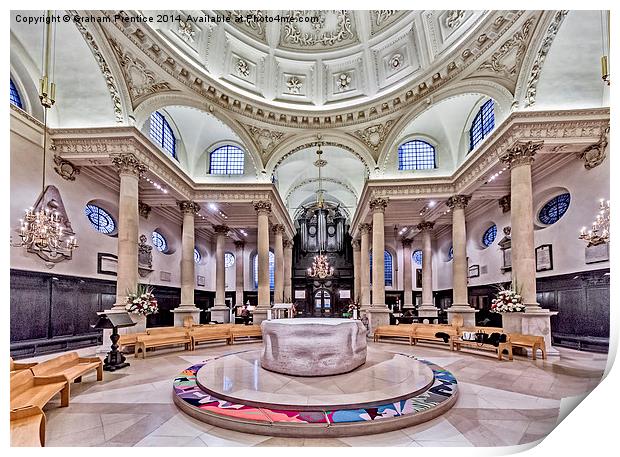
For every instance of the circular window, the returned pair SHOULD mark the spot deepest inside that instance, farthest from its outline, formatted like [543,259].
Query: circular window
[100,219]
[197,255]
[450,253]
[229,259]
[489,235]
[417,256]
[554,209]
[159,242]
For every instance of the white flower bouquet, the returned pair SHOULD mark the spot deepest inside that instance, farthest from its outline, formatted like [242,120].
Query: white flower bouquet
[141,301]
[508,301]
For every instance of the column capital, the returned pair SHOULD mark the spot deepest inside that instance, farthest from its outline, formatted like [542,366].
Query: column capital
[188,207]
[357,245]
[378,204]
[365,228]
[406,242]
[239,244]
[128,164]
[426,225]
[278,228]
[458,201]
[521,153]
[288,244]
[262,207]
[221,229]
[504,203]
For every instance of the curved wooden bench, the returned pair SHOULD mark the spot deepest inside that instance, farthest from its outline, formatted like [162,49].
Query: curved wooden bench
[18,366]
[531,342]
[242,330]
[428,332]
[161,337]
[211,332]
[28,390]
[127,340]
[71,366]
[394,331]
[458,342]
[27,427]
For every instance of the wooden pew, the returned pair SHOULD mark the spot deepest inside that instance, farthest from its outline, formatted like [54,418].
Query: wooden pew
[531,342]
[212,332]
[28,390]
[428,332]
[394,331]
[18,366]
[457,342]
[242,330]
[27,427]
[71,366]
[128,340]
[161,337]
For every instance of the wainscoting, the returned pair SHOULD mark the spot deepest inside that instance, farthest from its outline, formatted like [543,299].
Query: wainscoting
[52,313]
[581,299]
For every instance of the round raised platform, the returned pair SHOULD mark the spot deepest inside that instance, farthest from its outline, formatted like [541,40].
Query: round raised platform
[384,378]
[263,404]
[313,347]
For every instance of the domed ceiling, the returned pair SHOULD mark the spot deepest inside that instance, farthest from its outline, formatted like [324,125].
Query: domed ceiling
[318,59]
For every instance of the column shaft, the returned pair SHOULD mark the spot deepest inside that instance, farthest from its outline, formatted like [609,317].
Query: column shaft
[427,269]
[378,248]
[263,209]
[239,261]
[288,271]
[365,265]
[220,266]
[407,284]
[187,308]
[278,289]
[356,271]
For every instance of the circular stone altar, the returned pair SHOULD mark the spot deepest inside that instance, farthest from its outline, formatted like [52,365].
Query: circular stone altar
[313,347]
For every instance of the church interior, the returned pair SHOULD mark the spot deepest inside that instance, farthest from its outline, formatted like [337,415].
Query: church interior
[306,228]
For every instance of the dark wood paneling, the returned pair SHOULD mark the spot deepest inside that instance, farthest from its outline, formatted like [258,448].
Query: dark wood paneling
[30,307]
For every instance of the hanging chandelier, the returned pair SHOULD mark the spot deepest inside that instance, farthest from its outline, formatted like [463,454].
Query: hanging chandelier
[320,267]
[599,233]
[41,230]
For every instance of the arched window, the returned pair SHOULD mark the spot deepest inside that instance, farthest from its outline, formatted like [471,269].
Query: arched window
[417,256]
[197,255]
[482,125]
[15,98]
[450,253]
[387,259]
[416,155]
[554,209]
[229,259]
[100,219]
[227,160]
[489,235]
[162,134]
[272,264]
[159,241]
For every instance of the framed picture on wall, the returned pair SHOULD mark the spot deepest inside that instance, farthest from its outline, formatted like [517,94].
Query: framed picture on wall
[544,257]
[107,264]
[418,278]
[598,253]
[200,280]
[474,271]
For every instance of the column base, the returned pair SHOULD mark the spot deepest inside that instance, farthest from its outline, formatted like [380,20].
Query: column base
[220,313]
[538,322]
[427,310]
[259,315]
[184,311]
[377,316]
[465,311]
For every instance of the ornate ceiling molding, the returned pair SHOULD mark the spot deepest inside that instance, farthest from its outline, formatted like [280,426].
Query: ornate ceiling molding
[375,135]
[479,43]
[266,140]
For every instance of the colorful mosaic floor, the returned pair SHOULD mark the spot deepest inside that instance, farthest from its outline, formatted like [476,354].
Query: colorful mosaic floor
[421,407]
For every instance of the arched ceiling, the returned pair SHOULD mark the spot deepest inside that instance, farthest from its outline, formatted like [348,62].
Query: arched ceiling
[323,59]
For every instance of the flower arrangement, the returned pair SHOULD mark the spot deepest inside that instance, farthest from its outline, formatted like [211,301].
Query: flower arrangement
[141,301]
[508,301]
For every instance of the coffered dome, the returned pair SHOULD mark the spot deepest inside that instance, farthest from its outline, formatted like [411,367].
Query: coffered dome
[318,59]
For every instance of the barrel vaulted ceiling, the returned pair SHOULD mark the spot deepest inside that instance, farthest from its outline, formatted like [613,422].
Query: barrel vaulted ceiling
[356,82]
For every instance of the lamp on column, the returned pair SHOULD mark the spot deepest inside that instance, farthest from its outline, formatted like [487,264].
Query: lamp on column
[42,230]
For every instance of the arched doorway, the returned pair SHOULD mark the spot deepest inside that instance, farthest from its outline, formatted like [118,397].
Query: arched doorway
[322,303]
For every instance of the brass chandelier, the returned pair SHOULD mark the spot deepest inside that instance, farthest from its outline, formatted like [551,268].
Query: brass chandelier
[41,230]
[599,233]
[320,266]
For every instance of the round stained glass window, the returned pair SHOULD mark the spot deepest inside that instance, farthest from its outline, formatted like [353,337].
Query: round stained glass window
[554,209]
[159,242]
[197,255]
[229,259]
[100,219]
[417,256]
[450,253]
[489,235]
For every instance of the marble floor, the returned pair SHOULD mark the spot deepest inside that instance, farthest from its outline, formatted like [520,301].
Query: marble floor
[499,404]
